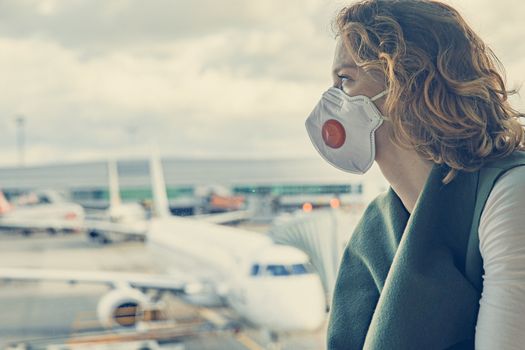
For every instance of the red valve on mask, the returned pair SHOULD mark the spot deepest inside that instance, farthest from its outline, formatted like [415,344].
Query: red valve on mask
[334,134]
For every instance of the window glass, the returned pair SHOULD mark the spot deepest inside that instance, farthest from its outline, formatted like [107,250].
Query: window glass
[277,270]
[299,269]
[220,92]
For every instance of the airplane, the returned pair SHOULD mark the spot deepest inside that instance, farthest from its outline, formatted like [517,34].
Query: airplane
[270,286]
[41,211]
[120,221]
[50,211]
[128,221]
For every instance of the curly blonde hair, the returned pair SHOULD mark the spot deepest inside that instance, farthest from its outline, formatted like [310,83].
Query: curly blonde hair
[447,96]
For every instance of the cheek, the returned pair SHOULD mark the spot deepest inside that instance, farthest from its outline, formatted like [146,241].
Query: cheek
[380,104]
[383,139]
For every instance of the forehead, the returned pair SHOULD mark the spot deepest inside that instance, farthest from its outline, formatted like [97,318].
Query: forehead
[342,57]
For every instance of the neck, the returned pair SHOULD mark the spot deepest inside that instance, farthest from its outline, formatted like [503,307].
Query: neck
[407,173]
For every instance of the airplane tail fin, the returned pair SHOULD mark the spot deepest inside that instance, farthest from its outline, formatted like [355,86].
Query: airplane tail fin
[5,206]
[161,207]
[114,188]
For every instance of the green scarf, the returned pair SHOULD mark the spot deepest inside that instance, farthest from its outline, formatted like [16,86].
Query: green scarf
[414,281]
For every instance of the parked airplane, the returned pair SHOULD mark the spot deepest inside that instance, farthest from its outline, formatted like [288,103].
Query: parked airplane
[269,285]
[120,221]
[47,211]
[52,212]
[128,221]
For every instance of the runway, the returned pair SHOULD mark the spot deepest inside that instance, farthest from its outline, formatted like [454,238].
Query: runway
[51,312]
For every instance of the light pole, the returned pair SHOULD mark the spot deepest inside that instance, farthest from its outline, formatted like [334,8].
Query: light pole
[20,139]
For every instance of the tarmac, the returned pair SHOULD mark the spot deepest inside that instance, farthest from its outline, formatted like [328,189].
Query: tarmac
[45,313]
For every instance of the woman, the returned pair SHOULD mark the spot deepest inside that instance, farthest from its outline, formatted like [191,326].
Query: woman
[437,262]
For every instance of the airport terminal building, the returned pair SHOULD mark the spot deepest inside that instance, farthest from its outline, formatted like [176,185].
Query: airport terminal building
[289,182]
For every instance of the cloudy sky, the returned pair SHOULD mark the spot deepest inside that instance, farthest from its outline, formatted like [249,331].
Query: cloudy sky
[201,78]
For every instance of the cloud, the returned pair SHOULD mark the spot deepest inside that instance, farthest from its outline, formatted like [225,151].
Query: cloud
[182,100]
[102,23]
[204,77]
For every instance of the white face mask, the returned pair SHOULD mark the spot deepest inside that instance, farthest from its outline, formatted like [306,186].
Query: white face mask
[342,129]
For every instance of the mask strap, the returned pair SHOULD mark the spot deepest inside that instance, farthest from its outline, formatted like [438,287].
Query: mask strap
[378,96]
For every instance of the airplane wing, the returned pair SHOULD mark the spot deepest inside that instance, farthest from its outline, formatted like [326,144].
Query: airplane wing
[224,218]
[128,229]
[114,230]
[40,224]
[179,284]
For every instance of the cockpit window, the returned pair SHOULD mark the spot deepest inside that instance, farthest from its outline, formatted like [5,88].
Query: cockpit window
[300,269]
[277,270]
[280,270]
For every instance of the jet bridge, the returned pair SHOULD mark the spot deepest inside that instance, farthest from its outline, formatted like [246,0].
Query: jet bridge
[322,234]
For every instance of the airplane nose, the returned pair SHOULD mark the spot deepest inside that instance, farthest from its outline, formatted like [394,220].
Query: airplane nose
[305,305]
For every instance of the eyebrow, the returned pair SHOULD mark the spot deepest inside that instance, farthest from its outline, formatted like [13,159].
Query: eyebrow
[344,66]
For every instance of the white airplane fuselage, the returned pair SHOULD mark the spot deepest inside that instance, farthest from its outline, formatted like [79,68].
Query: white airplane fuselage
[267,284]
[51,216]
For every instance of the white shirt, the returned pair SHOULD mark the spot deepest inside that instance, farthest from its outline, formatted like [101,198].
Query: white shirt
[501,318]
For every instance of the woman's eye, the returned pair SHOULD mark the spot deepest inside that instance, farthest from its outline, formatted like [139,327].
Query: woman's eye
[344,79]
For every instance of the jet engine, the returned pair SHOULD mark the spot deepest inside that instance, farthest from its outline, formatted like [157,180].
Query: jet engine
[123,307]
